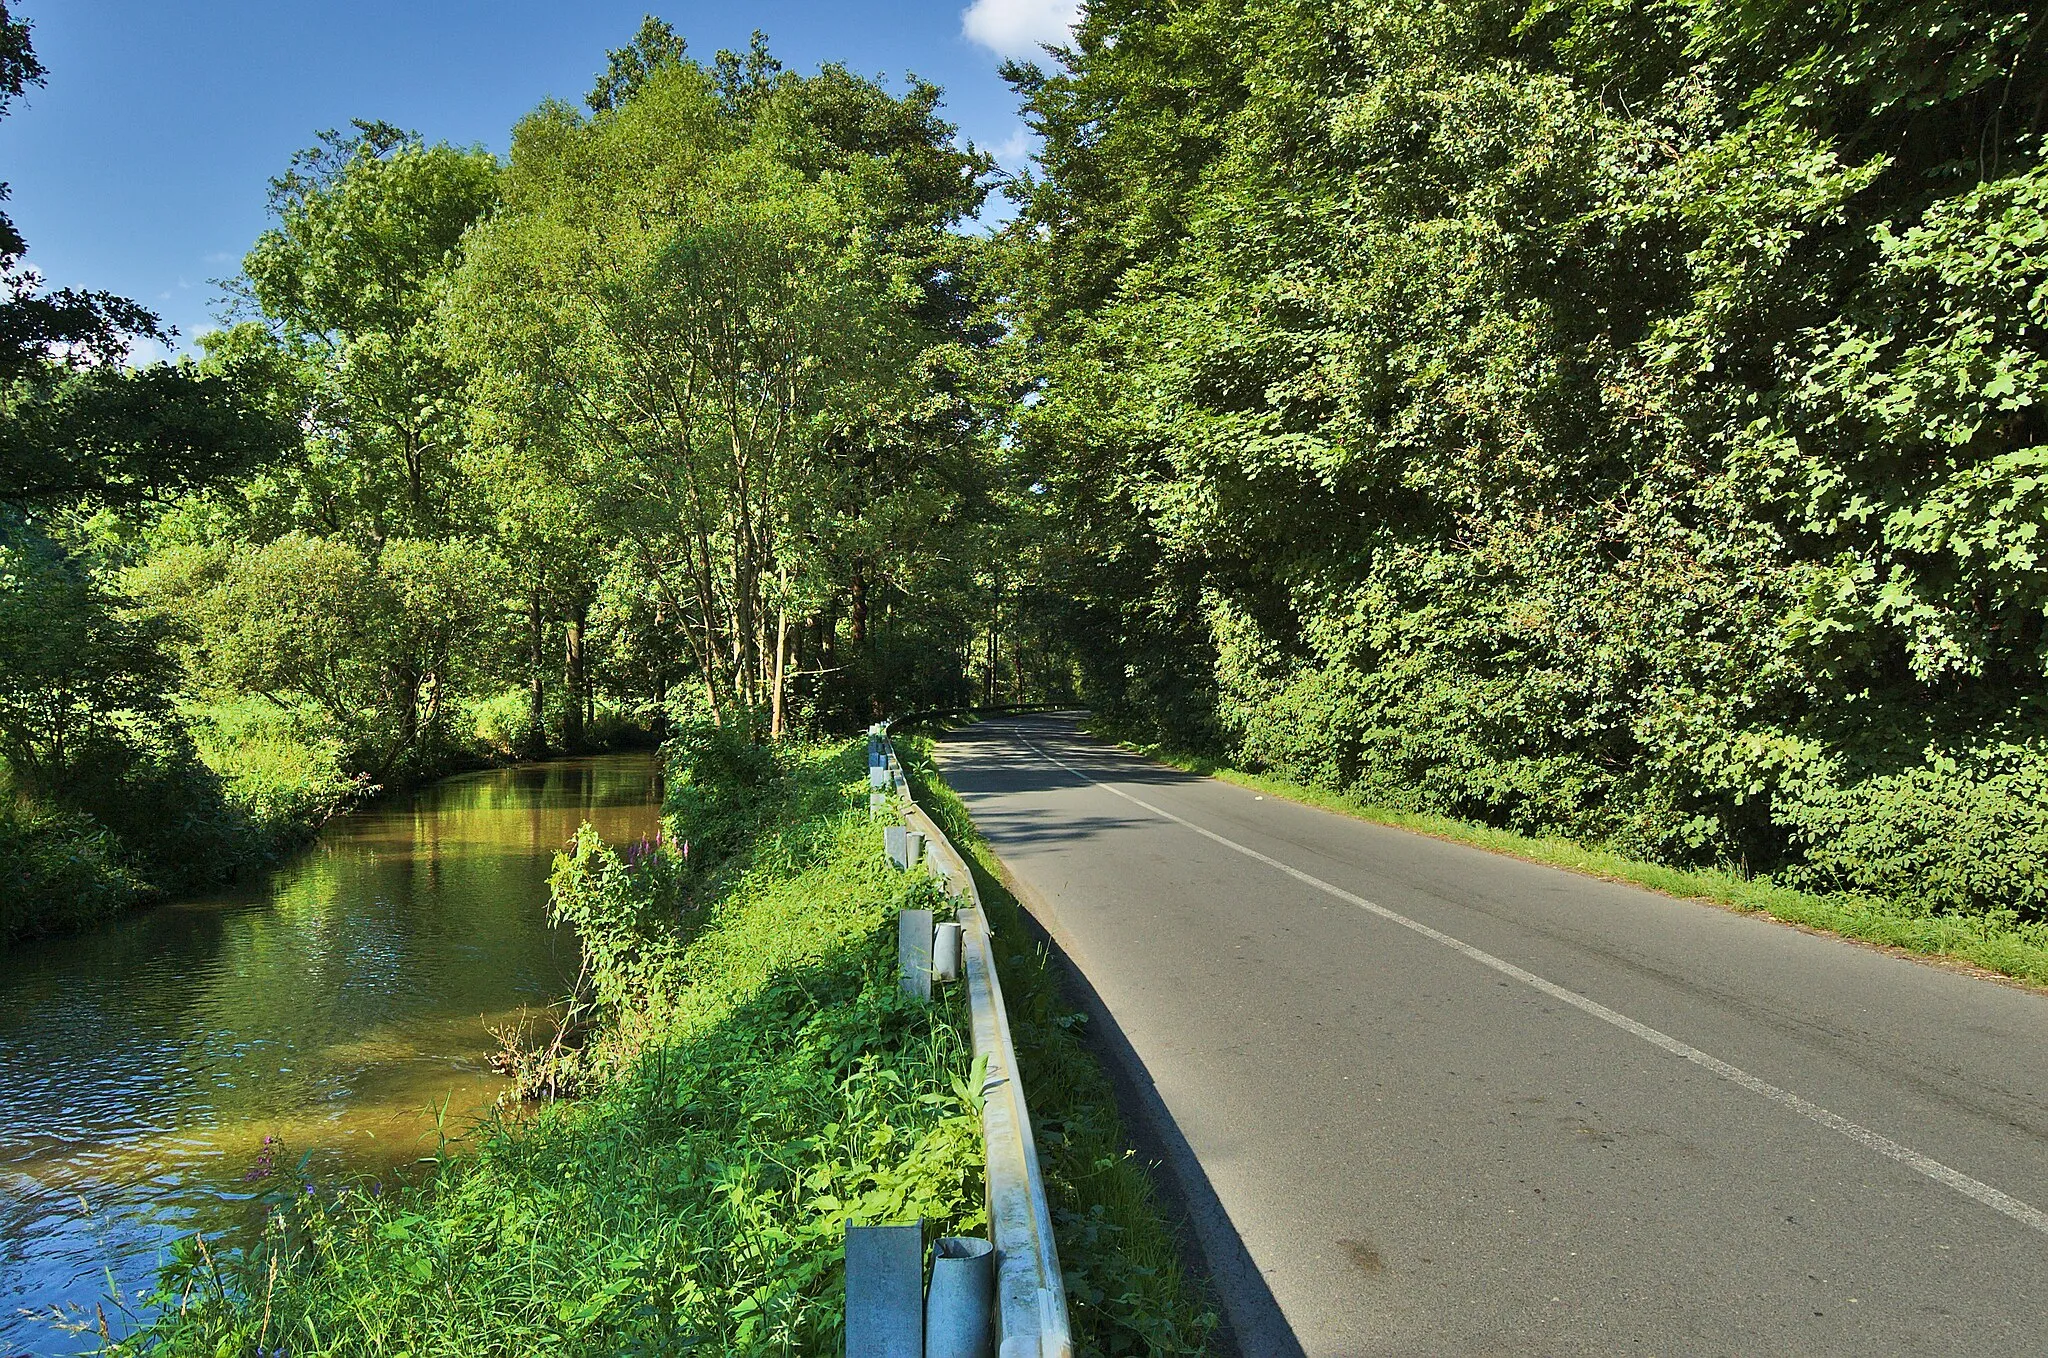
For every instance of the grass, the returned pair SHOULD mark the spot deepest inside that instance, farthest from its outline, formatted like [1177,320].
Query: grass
[273,765]
[1126,1290]
[1999,942]
[116,834]
[759,1084]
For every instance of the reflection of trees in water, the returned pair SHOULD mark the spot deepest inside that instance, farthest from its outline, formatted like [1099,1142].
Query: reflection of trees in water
[355,978]
[532,807]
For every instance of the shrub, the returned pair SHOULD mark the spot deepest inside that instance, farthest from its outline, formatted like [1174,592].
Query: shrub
[1948,836]
[721,778]
[59,871]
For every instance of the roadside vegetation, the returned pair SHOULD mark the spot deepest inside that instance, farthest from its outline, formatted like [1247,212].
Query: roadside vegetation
[753,1081]
[1612,423]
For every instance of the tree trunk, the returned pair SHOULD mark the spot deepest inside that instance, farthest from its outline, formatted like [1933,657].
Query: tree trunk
[781,640]
[574,678]
[536,738]
[859,613]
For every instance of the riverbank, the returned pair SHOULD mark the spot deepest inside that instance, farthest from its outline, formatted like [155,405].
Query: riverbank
[169,822]
[758,1083]
[228,790]
[340,1004]
[1999,942]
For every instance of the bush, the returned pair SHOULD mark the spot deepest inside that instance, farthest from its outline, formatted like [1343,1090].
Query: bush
[722,776]
[59,871]
[502,723]
[1945,837]
[277,765]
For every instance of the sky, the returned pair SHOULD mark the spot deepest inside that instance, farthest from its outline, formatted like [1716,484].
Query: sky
[141,166]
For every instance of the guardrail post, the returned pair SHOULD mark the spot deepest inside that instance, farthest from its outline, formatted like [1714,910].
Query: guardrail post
[946,952]
[914,953]
[959,1310]
[885,1291]
[896,843]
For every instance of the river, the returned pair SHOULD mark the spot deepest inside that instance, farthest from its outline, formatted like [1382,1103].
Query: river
[340,1005]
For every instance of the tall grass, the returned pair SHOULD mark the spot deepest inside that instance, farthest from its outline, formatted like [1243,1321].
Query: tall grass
[759,1084]
[278,768]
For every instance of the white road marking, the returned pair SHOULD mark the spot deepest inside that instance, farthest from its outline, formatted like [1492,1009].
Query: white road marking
[2024,1213]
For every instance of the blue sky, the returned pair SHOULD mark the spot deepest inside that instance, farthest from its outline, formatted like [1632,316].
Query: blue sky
[141,166]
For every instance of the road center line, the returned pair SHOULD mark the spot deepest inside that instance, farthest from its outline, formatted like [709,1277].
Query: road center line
[1976,1191]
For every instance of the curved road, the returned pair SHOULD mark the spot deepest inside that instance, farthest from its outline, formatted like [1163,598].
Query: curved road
[1424,1099]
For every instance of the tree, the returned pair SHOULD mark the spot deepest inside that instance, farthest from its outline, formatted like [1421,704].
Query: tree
[655,46]
[1614,420]
[369,228]
[703,290]
[75,423]
[378,646]
[72,669]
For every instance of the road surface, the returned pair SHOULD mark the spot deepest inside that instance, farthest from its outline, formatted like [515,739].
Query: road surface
[1424,1099]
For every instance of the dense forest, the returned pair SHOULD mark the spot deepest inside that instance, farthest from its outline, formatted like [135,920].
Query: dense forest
[1603,419]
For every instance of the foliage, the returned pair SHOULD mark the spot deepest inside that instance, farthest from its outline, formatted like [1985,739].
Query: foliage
[768,1085]
[690,396]
[725,310]
[761,1083]
[1619,421]
[73,667]
[274,763]
[107,800]
[378,647]
[59,871]
[348,283]
[724,780]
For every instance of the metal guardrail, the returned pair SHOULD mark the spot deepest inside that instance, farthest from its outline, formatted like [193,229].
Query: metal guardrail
[1031,1297]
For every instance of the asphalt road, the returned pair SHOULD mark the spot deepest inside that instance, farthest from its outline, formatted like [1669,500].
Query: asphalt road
[1425,1099]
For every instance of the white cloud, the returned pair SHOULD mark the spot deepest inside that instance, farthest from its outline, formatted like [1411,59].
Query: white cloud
[1016,150]
[1019,28]
[143,351]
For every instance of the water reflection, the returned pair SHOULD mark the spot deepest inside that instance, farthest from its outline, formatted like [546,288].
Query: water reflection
[334,1006]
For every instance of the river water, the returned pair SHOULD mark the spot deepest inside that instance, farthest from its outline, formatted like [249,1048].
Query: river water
[341,1006]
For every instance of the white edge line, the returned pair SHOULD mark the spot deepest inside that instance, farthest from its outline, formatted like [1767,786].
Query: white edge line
[2004,1203]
